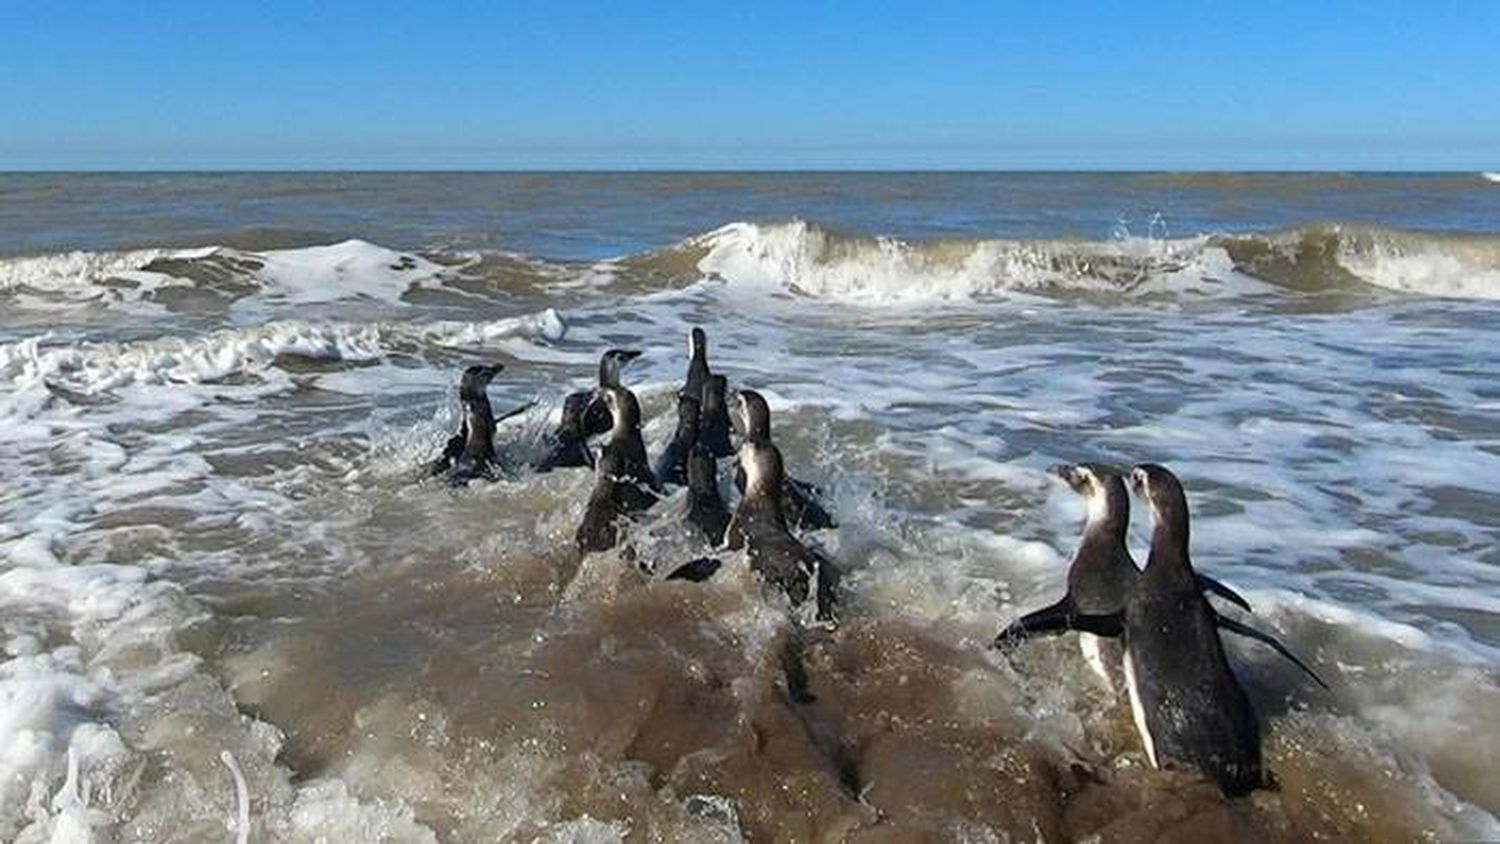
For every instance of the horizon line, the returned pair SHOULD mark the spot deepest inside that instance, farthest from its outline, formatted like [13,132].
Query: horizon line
[688,170]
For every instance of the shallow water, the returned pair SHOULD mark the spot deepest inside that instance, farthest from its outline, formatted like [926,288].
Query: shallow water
[219,391]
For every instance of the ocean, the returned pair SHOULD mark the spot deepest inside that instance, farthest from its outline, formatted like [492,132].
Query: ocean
[232,606]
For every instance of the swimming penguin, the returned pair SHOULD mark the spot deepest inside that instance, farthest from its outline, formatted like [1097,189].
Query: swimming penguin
[470,453]
[1098,577]
[671,464]
[583,417]
[713,417]
[625,485]
[799,499]
[1188,705]
[706,510]
[759,524]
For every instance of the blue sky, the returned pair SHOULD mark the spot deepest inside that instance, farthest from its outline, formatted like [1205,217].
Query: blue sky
[1070,85]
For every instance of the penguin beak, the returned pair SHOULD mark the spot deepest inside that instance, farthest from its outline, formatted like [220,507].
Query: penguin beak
[628,355]
[491,370]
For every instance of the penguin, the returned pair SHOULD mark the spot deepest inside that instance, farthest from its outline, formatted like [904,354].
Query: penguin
[470,453]
[1098,576]
[1189,708]
[625,485]
[759,522]
[799,499]
[1101,573]
[713,417]
[584,417]
[671,464]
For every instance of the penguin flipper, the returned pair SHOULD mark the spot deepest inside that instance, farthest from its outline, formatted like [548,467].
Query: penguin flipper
[1216,587]
[826,586]
[1267,639]
[451,452]
[1048,621]
[696,571]
[517,412]
[566,454]
[807,511]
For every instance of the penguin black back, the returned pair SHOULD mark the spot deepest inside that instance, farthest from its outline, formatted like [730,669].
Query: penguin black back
[713,419]
[706,510]
[671,464]
[568,446]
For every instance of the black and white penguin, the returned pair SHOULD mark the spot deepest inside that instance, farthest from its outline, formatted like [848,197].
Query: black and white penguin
[713,417]
[799,499]
[759,523]
[671,464]
[470,453]
[1189,708]
[624,485]
[584,417]
[1098,577]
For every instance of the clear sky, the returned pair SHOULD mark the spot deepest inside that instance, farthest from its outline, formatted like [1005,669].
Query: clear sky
[1337,84]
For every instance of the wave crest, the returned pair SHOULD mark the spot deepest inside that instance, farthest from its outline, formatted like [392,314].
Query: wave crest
[814,261]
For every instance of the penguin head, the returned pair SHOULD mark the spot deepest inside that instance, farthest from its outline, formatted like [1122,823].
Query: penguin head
[1104,490]
[754,417]
[697,343]
[612,362]
[1164,495]
[476,379]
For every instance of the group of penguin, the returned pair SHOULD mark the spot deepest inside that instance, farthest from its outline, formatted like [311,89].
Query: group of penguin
[627,484]
[1150,629]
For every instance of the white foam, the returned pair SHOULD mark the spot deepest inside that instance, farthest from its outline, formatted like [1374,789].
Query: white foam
[78,275]
[885,271]
[99,367]
[1450,269]
[341,270]
[350,269]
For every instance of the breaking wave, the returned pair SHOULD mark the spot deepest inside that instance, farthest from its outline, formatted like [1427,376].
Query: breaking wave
[801,258]
[811,260]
